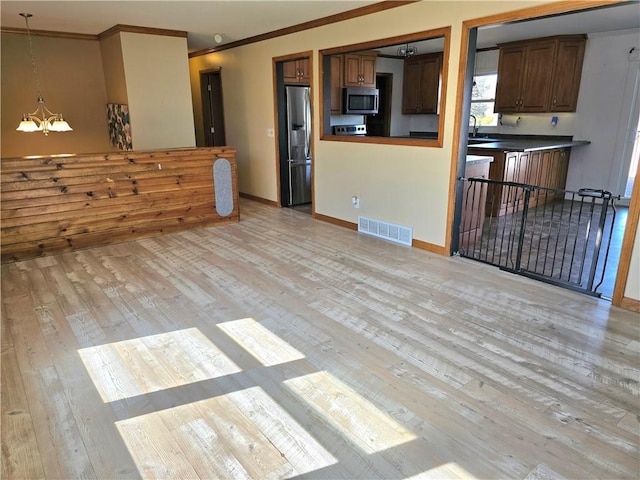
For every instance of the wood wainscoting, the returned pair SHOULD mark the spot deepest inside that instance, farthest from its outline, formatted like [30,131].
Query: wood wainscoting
[60,203]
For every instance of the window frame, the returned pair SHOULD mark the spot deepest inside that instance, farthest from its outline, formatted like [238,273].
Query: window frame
[324,60]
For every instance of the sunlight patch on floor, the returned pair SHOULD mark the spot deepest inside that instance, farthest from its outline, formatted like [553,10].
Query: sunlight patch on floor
[243,434]
[262,344]
[449,470]
[149,364]
[359,420]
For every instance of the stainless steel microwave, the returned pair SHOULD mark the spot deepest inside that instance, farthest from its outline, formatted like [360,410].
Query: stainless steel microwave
[360,101]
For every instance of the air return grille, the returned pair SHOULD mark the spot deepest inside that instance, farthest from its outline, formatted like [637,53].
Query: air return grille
[386,230]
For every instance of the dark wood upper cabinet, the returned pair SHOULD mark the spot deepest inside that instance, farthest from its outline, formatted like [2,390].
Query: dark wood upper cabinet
[538,72]
[510,75]
[566,80]
[421,84]
[541,75]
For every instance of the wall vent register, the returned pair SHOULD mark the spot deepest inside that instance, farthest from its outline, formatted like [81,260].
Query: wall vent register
[388,231]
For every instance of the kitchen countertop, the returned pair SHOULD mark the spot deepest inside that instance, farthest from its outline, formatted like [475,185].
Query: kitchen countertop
[524,144]
[478,159]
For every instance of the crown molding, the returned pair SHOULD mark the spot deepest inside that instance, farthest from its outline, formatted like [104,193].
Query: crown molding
[146,30]
[339,17]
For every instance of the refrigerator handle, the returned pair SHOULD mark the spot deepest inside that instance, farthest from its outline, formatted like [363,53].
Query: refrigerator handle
[288,129]
[307,114]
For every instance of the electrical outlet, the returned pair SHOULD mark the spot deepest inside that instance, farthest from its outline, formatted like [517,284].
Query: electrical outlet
[355,201]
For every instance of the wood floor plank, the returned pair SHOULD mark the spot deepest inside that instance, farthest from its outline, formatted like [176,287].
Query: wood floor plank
[285,347]
[20,454]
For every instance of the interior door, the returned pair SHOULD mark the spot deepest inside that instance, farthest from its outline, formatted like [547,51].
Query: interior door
[212,109]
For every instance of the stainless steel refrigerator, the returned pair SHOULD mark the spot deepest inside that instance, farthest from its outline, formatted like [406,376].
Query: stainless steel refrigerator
[298,111]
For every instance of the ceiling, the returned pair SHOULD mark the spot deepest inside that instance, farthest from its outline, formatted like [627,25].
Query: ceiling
[234,19]
[240,19]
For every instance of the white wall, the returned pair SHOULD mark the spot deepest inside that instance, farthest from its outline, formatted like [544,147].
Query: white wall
[158,89]
[604,110]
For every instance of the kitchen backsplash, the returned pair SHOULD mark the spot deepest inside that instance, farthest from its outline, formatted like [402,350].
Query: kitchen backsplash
[538,124]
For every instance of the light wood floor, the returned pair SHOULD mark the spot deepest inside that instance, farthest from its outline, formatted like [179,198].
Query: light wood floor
[285,347]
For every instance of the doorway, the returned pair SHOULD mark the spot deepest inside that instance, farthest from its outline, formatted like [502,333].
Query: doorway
[212,108]
[379,125]
[294,131]
[615,230]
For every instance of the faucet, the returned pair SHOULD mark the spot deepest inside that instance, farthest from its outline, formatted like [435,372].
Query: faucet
[475,128]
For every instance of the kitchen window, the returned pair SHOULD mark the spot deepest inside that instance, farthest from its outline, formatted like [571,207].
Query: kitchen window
[483,95]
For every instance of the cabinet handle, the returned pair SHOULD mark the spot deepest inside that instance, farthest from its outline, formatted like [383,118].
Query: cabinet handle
[554,100]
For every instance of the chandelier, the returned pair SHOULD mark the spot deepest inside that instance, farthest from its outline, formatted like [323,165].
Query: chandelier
[407,51]
[42,119]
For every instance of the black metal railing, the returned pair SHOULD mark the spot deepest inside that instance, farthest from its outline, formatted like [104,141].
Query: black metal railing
[558,236]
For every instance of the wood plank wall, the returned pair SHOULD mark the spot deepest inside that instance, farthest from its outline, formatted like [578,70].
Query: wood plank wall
[55,204]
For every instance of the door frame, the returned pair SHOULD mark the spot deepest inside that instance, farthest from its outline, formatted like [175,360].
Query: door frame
[458,154]
[278,94]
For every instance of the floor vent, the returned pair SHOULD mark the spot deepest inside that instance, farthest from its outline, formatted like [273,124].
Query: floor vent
[386,230]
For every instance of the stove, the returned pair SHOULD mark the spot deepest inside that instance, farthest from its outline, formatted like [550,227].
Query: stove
[353,130]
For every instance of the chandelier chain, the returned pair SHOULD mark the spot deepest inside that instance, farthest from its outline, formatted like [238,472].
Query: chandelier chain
[33,57]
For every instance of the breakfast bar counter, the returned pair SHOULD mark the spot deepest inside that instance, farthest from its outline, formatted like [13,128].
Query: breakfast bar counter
[59,203]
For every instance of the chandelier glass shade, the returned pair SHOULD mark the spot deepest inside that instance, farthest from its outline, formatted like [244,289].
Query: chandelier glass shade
[42,119]
[407,51]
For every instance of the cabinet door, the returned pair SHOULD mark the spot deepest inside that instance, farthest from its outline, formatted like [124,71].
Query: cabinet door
[296,71]
[560,158]
[290,72]
[411,86]
[567,73]
[510,72]
[351,70]
[359,70]
[429,84]
[336,84]
[303,66]
[538,74]
[421,83]
[368,71]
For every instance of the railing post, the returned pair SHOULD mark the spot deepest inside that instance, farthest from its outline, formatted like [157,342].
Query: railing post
[606,196]
[525,210]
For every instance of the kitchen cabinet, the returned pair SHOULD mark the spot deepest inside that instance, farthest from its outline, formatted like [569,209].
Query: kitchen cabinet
[336,84]
[421,84]
[544,168]
[297,71]
[524,77]
[567,74]
[541,75]
[359,69]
